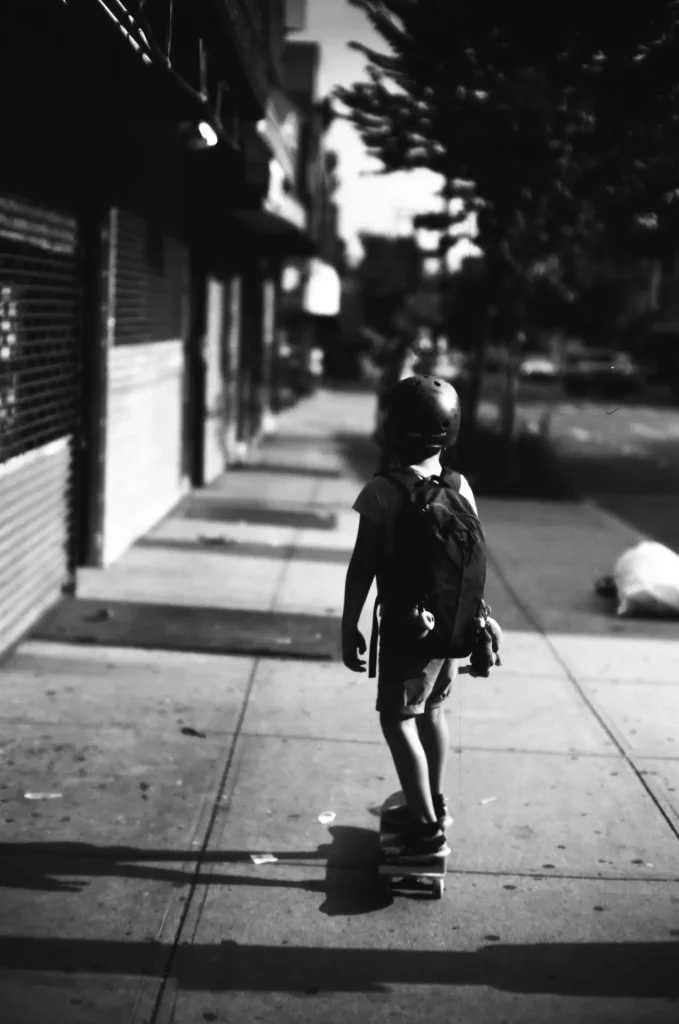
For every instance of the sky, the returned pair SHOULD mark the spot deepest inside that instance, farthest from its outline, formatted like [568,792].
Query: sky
[380,204]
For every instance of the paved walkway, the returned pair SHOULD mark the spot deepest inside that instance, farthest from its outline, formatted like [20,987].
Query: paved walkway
[162,856]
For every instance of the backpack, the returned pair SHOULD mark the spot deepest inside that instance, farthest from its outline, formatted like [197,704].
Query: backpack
[437,564]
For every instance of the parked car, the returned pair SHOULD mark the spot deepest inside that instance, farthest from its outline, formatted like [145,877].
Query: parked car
[538,368]
[603,371]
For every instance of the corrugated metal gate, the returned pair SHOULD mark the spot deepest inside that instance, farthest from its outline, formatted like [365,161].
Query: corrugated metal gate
[147,379]
[150,282]
[39,307]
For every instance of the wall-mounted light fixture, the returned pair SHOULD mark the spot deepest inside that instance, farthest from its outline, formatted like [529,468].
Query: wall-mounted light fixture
[199,136]
[208,134]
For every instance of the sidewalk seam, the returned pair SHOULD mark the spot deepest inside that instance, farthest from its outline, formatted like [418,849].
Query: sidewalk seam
[615,519]
[200,860]
[188,909]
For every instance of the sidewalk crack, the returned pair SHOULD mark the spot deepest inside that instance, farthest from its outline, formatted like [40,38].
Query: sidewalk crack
[608,729]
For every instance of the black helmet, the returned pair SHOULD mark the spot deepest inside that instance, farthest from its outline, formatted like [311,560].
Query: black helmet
[424,411]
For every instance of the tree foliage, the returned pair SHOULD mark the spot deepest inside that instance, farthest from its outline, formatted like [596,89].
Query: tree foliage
[389,273]
[558,127]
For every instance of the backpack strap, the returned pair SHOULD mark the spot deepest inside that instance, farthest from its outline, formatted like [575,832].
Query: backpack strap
[374,639]
[397,475]
[451,478]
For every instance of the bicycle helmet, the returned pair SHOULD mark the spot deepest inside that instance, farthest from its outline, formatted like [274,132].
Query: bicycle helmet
[424,411]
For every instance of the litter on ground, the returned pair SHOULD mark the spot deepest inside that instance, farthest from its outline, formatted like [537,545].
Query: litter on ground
[263,858]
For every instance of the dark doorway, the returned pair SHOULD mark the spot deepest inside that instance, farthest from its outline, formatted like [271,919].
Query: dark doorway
[193,440]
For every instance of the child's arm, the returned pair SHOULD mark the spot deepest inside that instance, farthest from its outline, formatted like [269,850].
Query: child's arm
[360,576]
[466,492]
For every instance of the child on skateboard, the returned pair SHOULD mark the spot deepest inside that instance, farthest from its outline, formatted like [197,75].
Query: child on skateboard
[420,537]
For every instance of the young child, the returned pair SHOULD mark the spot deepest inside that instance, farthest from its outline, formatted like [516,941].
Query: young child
[422,421]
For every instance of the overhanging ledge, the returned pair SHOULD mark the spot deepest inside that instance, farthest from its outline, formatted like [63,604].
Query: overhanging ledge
[272,234]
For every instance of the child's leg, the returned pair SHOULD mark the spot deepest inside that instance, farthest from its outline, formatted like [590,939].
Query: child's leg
[403,738]
[432,727]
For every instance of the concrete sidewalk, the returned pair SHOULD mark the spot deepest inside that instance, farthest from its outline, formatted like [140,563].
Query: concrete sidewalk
[154,752]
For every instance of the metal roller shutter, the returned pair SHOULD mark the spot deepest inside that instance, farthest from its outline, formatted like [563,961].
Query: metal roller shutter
[150,273]
[146,379]
[39,306]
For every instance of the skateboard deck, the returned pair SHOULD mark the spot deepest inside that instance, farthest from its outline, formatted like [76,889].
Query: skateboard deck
[403,876]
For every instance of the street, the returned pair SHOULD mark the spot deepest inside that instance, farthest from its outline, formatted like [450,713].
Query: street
[622,453]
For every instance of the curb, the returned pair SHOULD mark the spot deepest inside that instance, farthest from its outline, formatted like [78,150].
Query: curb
[615,520]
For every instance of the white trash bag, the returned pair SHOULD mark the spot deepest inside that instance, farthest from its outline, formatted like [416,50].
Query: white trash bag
[647,581]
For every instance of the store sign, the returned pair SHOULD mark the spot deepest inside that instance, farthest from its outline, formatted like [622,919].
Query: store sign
[323,293]
[281,129]
[280,202]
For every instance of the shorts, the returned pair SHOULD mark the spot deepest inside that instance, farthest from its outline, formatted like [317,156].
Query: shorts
[410,684]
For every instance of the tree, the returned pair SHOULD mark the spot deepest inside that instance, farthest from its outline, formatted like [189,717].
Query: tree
[558,128]
[475,86]
[387,276]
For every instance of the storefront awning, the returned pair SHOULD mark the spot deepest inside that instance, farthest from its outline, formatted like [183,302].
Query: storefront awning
[273,235]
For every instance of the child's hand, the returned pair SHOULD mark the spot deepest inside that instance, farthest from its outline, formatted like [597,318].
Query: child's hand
[353,644]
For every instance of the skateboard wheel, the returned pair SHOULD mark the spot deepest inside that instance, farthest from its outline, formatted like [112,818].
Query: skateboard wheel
[438,888]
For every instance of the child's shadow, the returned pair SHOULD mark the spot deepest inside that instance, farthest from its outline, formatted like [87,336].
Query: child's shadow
[352,885]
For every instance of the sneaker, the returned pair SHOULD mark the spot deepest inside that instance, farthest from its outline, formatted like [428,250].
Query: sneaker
[443,815]
[411,847]
[399,817]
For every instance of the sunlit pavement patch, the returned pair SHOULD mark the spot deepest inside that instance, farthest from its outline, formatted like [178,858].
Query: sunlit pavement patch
[620,657]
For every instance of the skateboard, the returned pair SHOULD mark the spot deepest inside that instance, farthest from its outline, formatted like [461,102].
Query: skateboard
[421,877]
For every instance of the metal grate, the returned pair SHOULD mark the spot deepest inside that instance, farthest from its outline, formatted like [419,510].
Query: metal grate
[38,310]
[150,282]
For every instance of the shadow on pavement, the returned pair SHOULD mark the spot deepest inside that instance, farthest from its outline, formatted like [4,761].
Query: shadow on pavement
[632,970]
[275,469]
[203,505]
[192,628]
[617,473]
[640,490]
[280,442]
[229,546]
[654,515]
[538,473]
[635,970]
[349,883]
